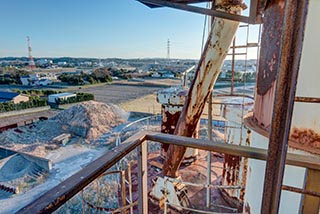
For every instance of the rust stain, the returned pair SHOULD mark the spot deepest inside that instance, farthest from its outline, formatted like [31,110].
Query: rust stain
[247,208]
[270,47]
[231,167]
[245,169]
[305,139]
[169,123]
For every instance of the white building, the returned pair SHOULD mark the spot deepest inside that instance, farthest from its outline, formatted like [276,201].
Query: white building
[44,62]
[38,79]
[62,63]
[53,98]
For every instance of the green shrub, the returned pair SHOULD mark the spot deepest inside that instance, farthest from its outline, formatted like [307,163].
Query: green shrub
[32,103]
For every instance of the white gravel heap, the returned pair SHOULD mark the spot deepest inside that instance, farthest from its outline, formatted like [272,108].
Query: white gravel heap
[90,119]
[86,120]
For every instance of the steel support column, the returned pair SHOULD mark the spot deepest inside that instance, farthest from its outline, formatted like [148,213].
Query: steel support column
[215,51]
[291,48]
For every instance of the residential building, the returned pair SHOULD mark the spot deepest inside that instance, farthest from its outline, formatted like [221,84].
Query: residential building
[12,96]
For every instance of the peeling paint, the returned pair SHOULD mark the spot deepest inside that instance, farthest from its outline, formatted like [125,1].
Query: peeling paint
[305,139]
[268,63]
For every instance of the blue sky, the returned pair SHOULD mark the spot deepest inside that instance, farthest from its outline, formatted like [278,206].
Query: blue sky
[97,28]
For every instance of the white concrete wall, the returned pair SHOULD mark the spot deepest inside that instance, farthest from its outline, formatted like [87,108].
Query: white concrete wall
[305,114]
[294,176]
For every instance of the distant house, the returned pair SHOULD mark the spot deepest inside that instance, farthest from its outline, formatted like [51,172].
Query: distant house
[168,74]
[155,74]
[62,63]
[38,79]
[53,98]
[43,82]
[14,97]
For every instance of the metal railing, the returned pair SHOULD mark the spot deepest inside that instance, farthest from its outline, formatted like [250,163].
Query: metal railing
[56,197]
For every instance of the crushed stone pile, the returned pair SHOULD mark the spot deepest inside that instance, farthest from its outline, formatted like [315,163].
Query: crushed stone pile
[85,121]
[90,119]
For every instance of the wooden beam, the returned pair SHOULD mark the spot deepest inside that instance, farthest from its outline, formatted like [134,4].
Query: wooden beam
[311,204]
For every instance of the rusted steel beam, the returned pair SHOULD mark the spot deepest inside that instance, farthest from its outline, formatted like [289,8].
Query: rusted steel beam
[219,40]
[204,11]
[307,99]
[301,191]
[54,198]
[291,48]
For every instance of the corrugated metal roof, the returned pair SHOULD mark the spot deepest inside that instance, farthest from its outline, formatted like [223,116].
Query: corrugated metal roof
[62,94]
[8,95]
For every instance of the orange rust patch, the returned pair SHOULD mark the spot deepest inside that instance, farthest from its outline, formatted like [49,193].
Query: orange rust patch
[305,139]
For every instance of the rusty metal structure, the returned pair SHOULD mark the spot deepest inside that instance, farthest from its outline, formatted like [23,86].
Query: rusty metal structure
[284,23]
[217,46]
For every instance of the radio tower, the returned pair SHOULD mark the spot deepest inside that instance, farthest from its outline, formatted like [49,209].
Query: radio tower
[168,49]
[31,61]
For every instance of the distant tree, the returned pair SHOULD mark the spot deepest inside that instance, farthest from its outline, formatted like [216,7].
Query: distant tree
[102,75]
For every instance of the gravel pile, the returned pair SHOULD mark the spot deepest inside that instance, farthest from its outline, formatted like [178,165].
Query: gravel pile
[85,121]
[90,119]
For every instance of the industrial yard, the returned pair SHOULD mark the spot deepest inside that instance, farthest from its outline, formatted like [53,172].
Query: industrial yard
[88,125]
[82,123]
[96,120]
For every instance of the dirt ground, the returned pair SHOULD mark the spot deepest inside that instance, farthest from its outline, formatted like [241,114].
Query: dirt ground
[124,91]
[146,104]
[4,121]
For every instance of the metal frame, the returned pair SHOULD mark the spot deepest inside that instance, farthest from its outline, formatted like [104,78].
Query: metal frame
[253,18]
[57,196]
[290,54]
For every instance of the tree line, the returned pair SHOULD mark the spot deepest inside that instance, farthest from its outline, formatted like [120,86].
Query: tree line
[34,102]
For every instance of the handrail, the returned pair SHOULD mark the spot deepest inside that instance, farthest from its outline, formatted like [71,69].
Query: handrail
[217,145]
[133,123]
[57,196]
[54,198]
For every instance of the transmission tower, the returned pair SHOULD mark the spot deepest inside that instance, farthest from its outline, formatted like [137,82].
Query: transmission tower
[31,61]
[168,49]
